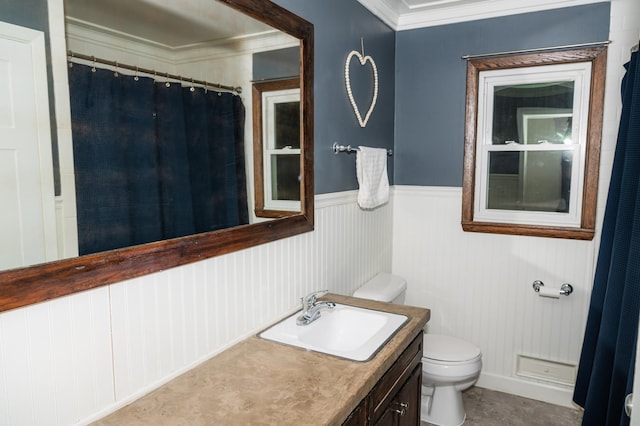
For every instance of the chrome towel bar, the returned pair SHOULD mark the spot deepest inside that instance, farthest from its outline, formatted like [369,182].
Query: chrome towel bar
[349,149]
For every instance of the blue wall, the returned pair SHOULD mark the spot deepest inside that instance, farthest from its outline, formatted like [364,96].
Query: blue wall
[26,13]
[282,63]
[338,26]
[430,76]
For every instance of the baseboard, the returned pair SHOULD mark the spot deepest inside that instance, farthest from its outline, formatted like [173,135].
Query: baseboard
[533,390]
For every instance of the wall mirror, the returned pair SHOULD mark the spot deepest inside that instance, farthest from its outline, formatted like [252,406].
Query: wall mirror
[198,45]
[532,143]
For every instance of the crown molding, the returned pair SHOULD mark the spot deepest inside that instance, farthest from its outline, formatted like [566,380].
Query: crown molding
[386,10]
[399,16]
[82,36]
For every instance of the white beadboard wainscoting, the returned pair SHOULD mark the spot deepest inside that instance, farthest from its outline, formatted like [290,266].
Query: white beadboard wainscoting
[479,288]
[77,358]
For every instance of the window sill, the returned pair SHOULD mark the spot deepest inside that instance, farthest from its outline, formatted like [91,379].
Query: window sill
[529,230]
[274,214]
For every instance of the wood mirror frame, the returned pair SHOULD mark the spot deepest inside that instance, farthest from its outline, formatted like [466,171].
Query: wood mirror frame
[25,286]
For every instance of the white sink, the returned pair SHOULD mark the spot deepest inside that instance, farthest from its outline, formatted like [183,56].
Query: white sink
[345,331]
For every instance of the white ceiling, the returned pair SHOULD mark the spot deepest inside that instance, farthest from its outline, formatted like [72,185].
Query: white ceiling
[408,14]
[171,24]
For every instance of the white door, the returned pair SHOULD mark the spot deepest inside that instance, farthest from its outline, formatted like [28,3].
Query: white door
[27,209]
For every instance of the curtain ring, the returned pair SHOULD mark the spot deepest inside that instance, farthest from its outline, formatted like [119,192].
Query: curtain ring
[166,83]
[71,59]
[135,77]
[193,89]
[115,74]
[93,65]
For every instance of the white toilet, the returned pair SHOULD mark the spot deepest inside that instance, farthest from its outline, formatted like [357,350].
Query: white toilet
[449,365]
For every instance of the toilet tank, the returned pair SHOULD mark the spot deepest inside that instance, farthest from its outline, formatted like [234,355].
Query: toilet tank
[384,287]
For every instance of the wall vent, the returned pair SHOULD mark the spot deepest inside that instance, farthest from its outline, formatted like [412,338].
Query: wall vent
[547,370]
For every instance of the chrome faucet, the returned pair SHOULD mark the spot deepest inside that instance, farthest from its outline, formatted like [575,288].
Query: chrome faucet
[311,307]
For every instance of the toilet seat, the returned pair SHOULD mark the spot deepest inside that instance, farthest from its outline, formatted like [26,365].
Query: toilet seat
[449,349]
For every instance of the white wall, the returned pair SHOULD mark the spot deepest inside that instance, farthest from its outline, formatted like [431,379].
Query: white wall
[479,286]
[76,358]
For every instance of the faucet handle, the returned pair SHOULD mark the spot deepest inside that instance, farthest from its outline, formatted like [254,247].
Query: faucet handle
[310,298]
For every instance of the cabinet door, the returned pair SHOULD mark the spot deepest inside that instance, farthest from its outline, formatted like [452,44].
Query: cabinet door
[404,409]
[408,399]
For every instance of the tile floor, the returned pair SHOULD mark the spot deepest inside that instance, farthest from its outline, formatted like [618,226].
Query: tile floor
[490,408]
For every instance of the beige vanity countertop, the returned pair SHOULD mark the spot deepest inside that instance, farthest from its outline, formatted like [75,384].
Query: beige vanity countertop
[259,382]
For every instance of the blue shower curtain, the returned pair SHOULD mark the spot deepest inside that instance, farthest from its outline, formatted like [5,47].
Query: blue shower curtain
[606,369]
[153,161]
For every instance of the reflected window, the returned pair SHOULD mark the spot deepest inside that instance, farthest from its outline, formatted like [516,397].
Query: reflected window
[532,143]
[276,115]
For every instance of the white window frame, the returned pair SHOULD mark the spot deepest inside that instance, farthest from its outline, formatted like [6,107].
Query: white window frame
[580,74]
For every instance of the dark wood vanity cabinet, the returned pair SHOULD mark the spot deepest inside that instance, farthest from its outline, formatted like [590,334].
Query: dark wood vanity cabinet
[395,399]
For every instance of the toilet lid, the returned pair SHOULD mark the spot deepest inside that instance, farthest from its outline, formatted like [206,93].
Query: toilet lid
[448,348]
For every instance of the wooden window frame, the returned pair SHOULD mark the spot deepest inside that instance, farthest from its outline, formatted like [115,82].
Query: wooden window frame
[585,231]
[259,144]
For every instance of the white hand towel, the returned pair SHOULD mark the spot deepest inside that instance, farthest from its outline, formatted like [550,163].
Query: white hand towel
[371,170]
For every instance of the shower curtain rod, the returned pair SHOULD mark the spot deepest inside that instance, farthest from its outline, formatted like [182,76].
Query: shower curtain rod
[540,49]
[235,90]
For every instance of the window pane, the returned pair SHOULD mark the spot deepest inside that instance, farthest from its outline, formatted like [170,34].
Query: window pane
[533,113]
[285,177]
[287,124]
[530,181]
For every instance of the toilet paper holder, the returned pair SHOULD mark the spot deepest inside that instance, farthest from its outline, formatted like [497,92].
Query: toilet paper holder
[565,289]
